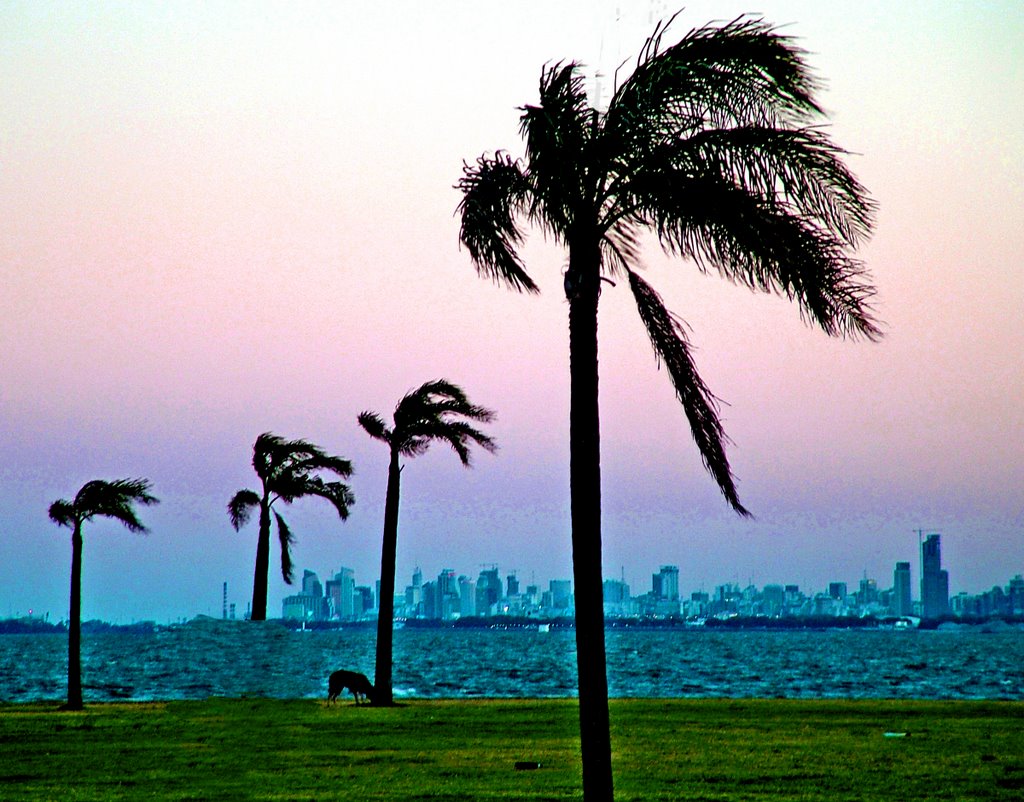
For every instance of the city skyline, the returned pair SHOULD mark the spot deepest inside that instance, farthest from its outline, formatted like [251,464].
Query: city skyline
[933,601]
[223,219]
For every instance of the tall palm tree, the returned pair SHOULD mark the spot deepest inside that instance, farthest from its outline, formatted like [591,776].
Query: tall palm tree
[106,500]
[438,410]
[288,470]
[712,143]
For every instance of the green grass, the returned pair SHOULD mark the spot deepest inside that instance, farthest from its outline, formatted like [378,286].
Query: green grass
[717,749]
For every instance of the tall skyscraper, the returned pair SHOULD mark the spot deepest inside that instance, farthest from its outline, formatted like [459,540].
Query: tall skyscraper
[343,589]
[934,580]
[467,597]
[665,583]
[902,603]
[488,590]
[448,603]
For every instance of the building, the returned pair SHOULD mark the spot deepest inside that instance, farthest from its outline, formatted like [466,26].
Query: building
[934,580]
[617,601]
[902,603]
[341,592]
[364,601]
[467,597]
[488,590]
[414,595]
[448,603]
[665,583]
[773,600]
[868,593]
[311,584]
[561,593]
[302,607]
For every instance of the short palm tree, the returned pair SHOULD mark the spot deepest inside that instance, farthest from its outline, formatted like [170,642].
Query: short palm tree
[711,143]
[438,410]
[102,499]
[288,470]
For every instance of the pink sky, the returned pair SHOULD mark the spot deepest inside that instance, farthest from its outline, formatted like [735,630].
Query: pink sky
[221,219]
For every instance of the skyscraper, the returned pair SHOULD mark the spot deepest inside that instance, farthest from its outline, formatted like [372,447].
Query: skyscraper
[934,580]
[665,583]
[467,597]
[342,590]
[448,603]
[902,604]
[488,590]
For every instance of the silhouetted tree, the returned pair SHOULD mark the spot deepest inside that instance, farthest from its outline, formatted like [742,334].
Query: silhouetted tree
[106,500]
[438,410]
[288,470]
[712,144]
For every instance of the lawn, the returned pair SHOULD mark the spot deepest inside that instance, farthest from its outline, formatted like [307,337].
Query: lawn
[712,749]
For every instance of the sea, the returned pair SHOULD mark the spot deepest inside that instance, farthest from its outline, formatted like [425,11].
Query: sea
[203,659]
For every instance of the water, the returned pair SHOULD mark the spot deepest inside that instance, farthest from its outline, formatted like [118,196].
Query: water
[265,660]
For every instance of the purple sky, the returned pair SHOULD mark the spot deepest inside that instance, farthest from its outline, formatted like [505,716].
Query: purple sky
[224,218]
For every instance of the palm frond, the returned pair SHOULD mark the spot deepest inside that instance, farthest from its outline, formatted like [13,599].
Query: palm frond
[114,500]
[796,170]
[459,435]
[373,424]
[672,349]
[438,410]
[287,540]
[559,132]
[338,494]
[241,506]
[716,76]
[62,513]
[762,245]
[493,191]
[267,452]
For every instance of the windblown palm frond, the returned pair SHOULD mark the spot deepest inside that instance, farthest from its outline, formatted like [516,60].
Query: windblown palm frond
[437,410]
[287,540]
[493,190]
[672,349]
[241,506]
[62,513]
[373,424]
[559,133]
[337,493]
[107,500]
[743,72]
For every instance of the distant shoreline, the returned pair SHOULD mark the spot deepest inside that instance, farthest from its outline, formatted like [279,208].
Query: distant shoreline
[38,626]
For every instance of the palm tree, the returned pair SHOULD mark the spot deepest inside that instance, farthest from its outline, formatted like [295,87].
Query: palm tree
[107,500]
[711,143]
[288,470]
[438,410]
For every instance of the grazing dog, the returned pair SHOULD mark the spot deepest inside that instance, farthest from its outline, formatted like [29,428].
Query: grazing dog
[355,682]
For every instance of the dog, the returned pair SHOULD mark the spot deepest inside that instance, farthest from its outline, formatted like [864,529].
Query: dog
[353,681]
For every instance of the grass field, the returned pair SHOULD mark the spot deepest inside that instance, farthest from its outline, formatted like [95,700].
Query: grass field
[718,749]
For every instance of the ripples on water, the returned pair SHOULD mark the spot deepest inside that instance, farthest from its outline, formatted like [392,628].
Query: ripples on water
[267,660]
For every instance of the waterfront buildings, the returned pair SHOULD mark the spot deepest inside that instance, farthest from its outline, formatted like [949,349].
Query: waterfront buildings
[452,596]
[902,603]
[934,580]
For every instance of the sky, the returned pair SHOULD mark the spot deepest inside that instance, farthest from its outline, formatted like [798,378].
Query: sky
[224,218]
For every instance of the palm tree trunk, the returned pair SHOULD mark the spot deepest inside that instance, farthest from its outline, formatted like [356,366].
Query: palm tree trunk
[261,576]
[386,603]
[585,492]
[75,623]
